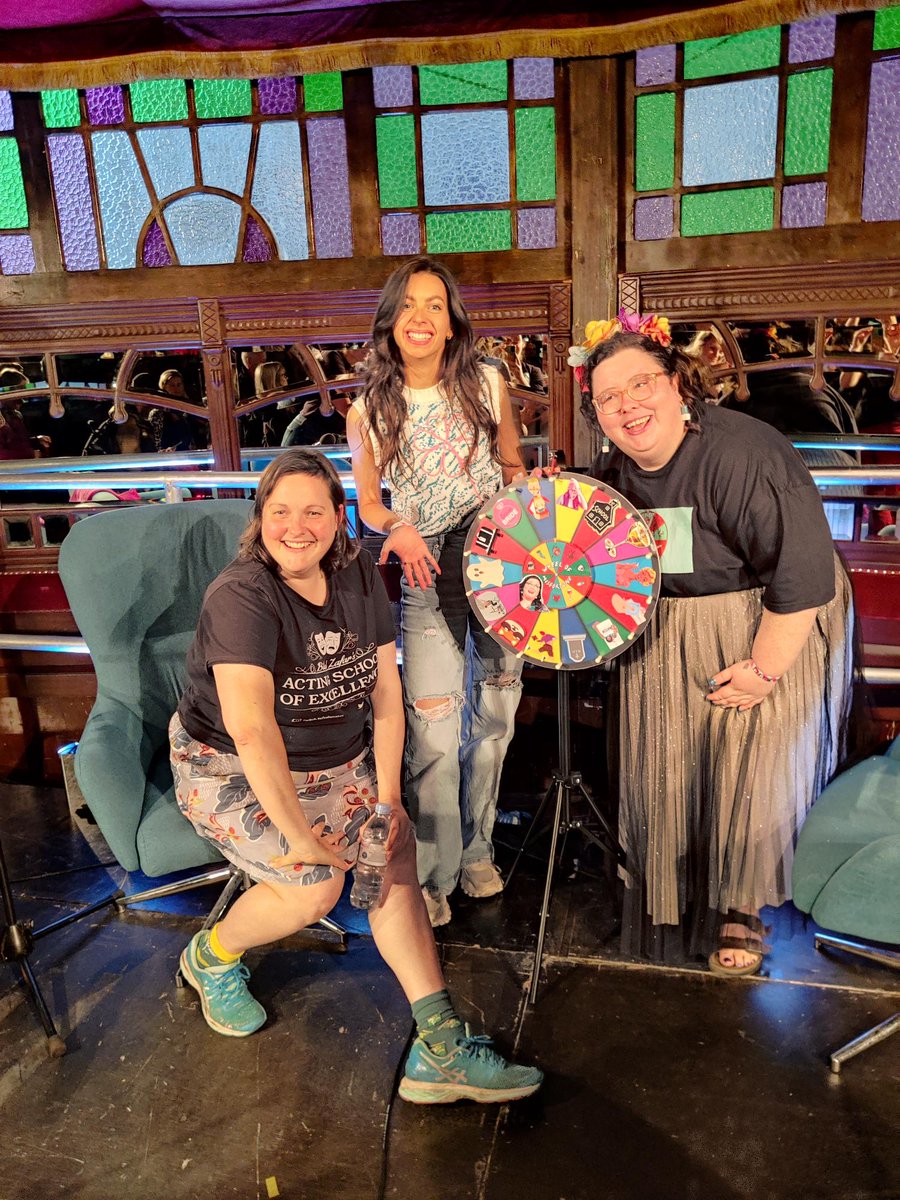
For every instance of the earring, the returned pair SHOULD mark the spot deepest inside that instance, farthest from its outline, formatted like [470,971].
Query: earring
[604,445]
[685,413]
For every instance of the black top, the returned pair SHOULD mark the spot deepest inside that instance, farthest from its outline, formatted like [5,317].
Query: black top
[735,508]
[323,658]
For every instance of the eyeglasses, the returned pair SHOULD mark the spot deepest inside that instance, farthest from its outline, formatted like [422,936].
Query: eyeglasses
[639,388]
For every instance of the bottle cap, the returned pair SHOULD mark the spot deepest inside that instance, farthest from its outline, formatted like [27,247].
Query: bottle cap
[383,809]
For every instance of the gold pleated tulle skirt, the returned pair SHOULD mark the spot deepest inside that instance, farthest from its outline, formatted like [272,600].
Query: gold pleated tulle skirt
[711,799]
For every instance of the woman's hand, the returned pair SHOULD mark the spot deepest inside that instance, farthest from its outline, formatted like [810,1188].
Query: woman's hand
[319,848]
[401,831]
[738,686]
[408,544]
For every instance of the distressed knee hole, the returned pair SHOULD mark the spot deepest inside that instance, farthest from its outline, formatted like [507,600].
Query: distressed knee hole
[436,708]
[505,680]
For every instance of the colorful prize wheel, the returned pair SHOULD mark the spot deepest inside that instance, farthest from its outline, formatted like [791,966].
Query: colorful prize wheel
[562,571]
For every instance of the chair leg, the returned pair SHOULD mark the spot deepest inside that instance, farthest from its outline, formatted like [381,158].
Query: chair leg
[880,1032]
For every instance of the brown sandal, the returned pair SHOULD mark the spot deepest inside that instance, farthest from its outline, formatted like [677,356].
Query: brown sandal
[751,942]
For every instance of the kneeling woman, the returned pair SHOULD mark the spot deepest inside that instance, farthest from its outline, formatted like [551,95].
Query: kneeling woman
[274,763]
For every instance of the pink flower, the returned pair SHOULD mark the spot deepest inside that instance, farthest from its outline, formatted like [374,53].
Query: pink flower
[630,322]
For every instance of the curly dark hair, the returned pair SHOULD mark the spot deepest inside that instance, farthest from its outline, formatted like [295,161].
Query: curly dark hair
[693,378]
[297,461]
[385,403]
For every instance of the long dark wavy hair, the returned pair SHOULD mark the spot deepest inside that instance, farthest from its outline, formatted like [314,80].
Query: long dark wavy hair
[461,378]
[297,461]
[694,382]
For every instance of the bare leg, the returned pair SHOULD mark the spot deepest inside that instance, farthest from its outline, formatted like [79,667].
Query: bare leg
[268,912]
[403,932]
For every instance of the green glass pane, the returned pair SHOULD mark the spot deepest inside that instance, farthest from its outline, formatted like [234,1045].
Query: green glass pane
[159,100]
[728,55]
[654,141]
[13,209]
[396,141]
[536,153]
[807,123]
[887,29]
[324,93]
[466,232]
[743,210]
[61,108]
[222,97]
[463,83]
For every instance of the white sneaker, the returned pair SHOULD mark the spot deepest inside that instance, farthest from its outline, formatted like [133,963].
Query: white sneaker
[481,879]
[437,906]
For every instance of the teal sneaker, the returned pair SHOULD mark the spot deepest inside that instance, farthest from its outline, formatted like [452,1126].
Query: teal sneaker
[470,1070]
[224,997]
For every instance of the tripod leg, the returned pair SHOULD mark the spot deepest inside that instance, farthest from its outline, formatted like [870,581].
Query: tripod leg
[531,830]
[548,887]
[611,842]
[56,1047]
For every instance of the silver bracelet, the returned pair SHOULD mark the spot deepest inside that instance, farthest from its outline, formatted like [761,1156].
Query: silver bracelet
[397,524]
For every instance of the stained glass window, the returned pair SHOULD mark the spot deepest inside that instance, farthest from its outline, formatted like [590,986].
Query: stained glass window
[887,29]
[475,138]
[210,171]
[742,109]
[16,249]
[881,187]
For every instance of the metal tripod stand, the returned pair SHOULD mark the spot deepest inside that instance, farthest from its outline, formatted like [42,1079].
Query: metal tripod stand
[565,783]
[17,941]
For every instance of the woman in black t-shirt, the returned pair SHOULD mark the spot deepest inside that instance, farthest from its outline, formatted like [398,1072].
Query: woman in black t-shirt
[293,662]
[733,705]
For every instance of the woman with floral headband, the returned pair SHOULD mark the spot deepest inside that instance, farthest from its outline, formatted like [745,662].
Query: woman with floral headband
[731,708]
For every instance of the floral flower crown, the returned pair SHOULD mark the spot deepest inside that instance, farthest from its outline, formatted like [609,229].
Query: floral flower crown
[595,332]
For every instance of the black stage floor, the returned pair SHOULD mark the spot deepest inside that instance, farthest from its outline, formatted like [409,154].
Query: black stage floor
[661,1084]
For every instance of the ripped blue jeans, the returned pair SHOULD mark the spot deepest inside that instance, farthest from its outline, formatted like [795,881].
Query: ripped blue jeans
[461,691]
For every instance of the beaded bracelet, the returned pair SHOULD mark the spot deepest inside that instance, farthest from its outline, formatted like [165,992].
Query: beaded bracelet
[761,674]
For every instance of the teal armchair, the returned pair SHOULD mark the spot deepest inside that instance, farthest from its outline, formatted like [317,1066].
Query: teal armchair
[847,870]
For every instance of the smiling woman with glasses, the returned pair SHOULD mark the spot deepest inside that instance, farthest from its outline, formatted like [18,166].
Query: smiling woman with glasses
[731,710]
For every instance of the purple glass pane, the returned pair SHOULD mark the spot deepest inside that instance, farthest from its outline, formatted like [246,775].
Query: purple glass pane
[811,40]
[533,78]
[6,114]
[74,207]
[16,254]
[653,218]
[393,87]
[400,234]
[256,244]
[329,185]
[277,96]
[803,205]
[537,228]
[105,105]
[156,252]
[655,65]
[881,190]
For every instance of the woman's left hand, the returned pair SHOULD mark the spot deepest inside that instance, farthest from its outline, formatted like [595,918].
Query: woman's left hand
[738,686]
[401,830]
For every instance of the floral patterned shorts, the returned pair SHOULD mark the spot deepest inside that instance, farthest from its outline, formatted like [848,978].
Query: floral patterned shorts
[213,793]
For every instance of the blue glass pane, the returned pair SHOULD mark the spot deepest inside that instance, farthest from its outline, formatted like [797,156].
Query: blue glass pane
[204,229]
[224,153]
[6,113]
[278,193]
[730,131]
[124,203]
[167,153]
[465,157]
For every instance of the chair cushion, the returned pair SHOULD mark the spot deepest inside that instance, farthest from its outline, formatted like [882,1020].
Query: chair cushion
[166,840]
[859,807]
[863,896]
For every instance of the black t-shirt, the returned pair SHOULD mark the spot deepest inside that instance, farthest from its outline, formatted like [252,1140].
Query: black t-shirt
[735,508]
[324,659]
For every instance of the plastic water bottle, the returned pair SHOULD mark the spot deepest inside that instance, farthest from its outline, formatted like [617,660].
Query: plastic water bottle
[370,865]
